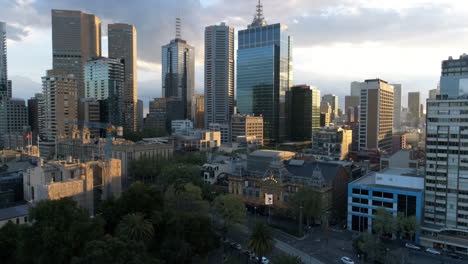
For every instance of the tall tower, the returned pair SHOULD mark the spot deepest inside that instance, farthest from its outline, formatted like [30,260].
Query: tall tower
[376,115]
[414,110]
[123,45]
[4,87]
[178,76]
[264,74]
[219,74]
[76,38]
[396,107]
[303,104]
[333,101]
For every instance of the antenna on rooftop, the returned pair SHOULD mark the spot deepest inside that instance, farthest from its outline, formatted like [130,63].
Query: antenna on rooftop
[178,28]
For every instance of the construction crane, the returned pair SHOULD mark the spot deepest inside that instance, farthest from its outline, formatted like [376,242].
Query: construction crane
[109,128]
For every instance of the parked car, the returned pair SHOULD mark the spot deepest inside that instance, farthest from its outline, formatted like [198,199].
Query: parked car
[265,260]
[412,246]
[432,251]
[454,256]
[347,260]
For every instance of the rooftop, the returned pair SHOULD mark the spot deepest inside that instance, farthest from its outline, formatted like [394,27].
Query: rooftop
[270,153]
[13,212]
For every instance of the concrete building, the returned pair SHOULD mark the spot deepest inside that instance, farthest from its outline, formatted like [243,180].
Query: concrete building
[326,111]
[433,93]
[181,127]
[212,172]
[398,141]
[259,160]
[453,77]
[376,117]
[224,129]
[105,81]
[199,111]
[352,106]
[331,143]
[303,107]
[396,107]
[34,112]
[122,39]
[140,115]
[414,109]
[5,92]
[355,88]
[198,139]
[219,74]
[247,126]
[446,184]
[89,110]
[87,183]
[178,76]
[16,214]
[157,117]
[60,104]
[76,38]
[333,101]
[264,74]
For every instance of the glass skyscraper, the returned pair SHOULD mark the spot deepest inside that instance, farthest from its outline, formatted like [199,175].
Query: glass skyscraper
[264,74]
[454,79]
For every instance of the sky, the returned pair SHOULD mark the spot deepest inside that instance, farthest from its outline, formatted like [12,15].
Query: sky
[335,42]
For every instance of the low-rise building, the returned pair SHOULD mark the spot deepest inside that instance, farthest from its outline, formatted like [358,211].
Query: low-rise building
[88,183]
[259,160]
[16,214]
[198,139]
[211,172]
[181,127]
[331,143]
[224,129]
[248,126]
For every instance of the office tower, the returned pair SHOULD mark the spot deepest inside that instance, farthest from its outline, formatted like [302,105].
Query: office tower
[333,101]
[178,76]
[157,118]
[433,93]
[454,78]
[59,89]
[104,81]
[396,107]
[140,113]
[5,91]
[17,115]
[264,74]
[303,104]
[122,40]
[219,74]
[414,113]
[247,126]
[89,110]
[34,112]
[200,111]
[76,38]
[356,88]
[326,111]
[352,108]
[376,116]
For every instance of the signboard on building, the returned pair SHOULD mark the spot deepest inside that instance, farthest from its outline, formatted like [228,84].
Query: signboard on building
[268,199]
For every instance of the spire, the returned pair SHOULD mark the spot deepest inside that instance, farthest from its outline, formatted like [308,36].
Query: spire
[259,20]
[178,27]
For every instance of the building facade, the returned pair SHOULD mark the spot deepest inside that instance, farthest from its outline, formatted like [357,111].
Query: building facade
[414,109]
[376,115]
[303,104]
[247,126]
[219,74]
[157,117]
[396,107]
[34,112]
[122,45]
[199,111]
[453,77]
[333,101]
[76,38]
[331,143]
[264,74]
[105,81]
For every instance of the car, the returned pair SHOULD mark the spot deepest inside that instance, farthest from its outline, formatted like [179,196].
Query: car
[432,251]
[238,246]
[347,260]
[265,260]
[454,256]
[412,246]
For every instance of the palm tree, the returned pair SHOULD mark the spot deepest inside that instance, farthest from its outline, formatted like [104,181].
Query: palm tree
[136,227]
[261,240]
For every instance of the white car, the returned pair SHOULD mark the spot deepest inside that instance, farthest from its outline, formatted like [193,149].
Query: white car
[346,260]
[265,260]
[432,251]
[411,246]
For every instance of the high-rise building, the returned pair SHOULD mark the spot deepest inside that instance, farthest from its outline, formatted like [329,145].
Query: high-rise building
[326,112]
[122,40]
[247,126]
[178,75]
[5,92]
[200,111]
[264,74]
[376,116]
[76,38]
[352,104]
[89,110]
[356,88]
[157,118]
[333,101]
[59,89]
[454,78]
[104,81]
[140,115]
[396,107]
[414,113]
[219,74]
[433,93]
[34,112]
[303,104]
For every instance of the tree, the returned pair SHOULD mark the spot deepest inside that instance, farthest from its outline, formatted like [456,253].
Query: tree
[186,198]
[384,223]
[230,209]
[178,173]
[287,259]
[116,250]
[407,226]
[368,246]
[9,242]
[136,227]
[59,231]
[261,240]
[311,202]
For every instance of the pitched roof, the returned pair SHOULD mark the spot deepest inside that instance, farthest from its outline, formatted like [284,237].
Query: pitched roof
[329,170]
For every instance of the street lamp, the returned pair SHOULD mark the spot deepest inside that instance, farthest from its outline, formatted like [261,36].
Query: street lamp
[300,220]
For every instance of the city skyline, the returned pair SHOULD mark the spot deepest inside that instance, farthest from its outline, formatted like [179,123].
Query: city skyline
[405,50]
